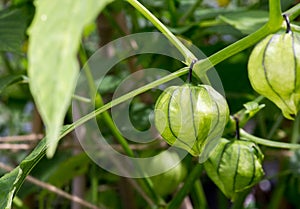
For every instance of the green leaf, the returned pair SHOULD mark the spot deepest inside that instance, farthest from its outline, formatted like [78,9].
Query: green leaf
[11,79]
[54,39]
[247,21]
[13,24]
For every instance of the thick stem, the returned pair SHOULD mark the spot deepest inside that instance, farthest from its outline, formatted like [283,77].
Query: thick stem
[232,49]
[239,201]
[198,195]
[275,15]
[296,132]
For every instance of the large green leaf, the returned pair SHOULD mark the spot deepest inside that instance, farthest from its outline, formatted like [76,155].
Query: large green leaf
[13,24]
[54,38]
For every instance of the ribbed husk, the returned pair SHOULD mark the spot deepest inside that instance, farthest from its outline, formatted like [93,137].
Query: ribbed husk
[234,166]
[274,71]
[191,117]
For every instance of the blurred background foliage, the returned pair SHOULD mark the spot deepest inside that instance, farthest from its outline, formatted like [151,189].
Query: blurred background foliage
[210,25]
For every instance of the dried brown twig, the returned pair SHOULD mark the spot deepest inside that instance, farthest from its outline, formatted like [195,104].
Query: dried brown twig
[9,146]
[22,138]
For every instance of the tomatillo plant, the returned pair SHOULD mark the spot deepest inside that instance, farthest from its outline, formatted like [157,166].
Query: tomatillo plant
[195,118]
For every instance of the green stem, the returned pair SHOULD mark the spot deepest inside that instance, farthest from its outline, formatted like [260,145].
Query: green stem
[99,102]
[198,195]
[269,143]
[84,59]
[275,15]
[295,134]
[111,125]
[179,197]
[233,49]
[293,12]
[262,125]
[275,127]
[277,194]
[295,28]
[173,12]
[188,55]
[81,99]
[240,199]
[222,200]
[94,184]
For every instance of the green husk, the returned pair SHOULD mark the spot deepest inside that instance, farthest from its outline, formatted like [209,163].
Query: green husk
[191,117]
[274,71]
[234,166]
